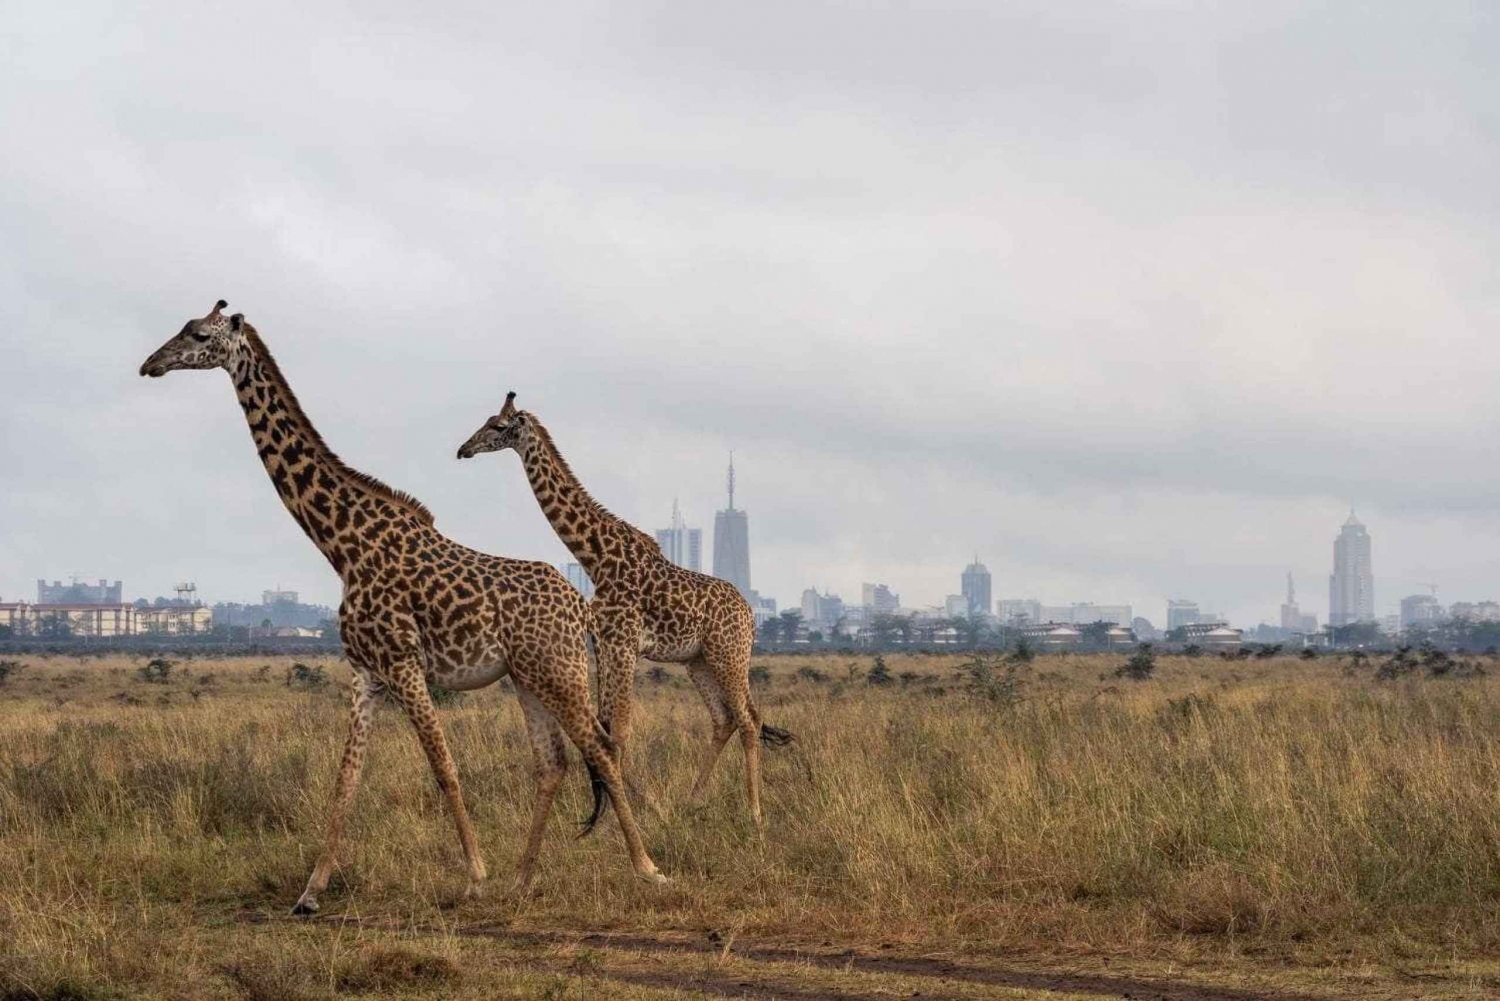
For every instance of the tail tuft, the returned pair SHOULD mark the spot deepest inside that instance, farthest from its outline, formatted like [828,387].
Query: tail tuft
[601,797]
[775,736]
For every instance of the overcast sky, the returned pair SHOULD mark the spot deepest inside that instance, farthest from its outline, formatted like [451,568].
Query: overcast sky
[1132,300]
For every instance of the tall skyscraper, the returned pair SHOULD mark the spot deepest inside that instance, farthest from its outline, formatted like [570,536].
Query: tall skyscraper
[1351,586]
[976,588]
[680,544]
[732,543]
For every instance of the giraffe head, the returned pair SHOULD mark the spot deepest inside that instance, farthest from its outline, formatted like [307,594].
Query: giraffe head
[510,428]
[207,343]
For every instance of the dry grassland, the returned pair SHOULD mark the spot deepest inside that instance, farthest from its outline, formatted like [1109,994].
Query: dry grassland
[1269,828]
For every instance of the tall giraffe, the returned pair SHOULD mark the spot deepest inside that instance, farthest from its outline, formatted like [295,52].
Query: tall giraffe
[644,605]
[418,607]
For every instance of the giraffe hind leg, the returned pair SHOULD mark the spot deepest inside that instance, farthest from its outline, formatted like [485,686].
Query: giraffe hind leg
[723,727]
[550,764]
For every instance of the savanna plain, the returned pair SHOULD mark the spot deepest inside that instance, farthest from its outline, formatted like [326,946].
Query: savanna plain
[943,827]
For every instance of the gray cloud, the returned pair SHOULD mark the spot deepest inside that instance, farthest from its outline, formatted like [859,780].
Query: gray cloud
[1133,301]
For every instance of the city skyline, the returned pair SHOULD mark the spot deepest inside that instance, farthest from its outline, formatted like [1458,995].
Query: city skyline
[1351,553]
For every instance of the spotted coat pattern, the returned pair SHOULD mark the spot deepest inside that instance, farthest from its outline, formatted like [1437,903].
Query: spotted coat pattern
[417,607]
[644,605]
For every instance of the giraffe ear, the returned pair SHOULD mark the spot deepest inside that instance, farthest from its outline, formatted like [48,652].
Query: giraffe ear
[237,321]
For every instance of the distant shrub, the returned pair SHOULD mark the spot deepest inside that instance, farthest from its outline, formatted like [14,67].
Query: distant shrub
[809,673]
[1267,651]
[659,674]
[987,680]
[1308,653]
[1400,663]
[303,676]
[879,673]
[1192,650]
[156,671]
[442,697]
[7,668]
[760,674]
[908,677]
[1140,666]
[1022,654]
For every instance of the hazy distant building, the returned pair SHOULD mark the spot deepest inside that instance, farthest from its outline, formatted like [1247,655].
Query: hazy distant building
[75,593]
[732,543]
[278,597]
[1292,617]
[821,611]
[1475,611]
[1181,612]
[1144,630]
[879,598]
[1019,611]
[58,620]
[975,585]
[680,544]
[579,579]
[1351,586]
[957,606]
[1418,609]
[1081,613]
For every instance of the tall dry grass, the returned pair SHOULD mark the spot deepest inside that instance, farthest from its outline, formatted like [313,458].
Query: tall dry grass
[1285,804]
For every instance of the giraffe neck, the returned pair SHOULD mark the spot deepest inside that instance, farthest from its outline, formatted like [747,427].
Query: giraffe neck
[592,534]
[340,509]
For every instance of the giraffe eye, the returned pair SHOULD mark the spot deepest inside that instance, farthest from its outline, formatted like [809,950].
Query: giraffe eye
[199,335]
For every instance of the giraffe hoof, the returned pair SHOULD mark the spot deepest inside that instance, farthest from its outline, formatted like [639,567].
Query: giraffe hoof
[654,878]
[305,908]
[474,891]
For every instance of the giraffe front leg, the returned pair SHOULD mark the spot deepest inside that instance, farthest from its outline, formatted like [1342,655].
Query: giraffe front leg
[366,697]
[409,688]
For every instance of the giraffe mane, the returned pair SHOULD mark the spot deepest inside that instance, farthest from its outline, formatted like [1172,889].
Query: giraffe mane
[545,437]
[273,372]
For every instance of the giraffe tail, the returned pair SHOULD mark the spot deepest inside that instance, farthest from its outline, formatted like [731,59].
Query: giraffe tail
[775,736]
[601,799]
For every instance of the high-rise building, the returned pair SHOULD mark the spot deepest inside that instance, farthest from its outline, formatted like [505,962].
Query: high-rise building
[680,544]
[732,542]
[1292,616]
[1181,612]
[1351,586]
[579,579]
[279,597]
[976,588]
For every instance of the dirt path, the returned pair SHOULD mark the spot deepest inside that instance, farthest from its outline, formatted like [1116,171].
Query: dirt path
[769,969]
[937,970]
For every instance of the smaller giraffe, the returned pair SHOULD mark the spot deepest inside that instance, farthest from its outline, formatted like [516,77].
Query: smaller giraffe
[644,605]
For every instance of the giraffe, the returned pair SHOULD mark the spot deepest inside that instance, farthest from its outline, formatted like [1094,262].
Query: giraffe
[419,608]
[644,605]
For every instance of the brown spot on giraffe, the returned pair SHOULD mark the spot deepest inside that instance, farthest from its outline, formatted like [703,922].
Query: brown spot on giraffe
[521,618]
[644,605]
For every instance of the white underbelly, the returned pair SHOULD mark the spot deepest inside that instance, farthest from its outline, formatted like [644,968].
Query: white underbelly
[464,678]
